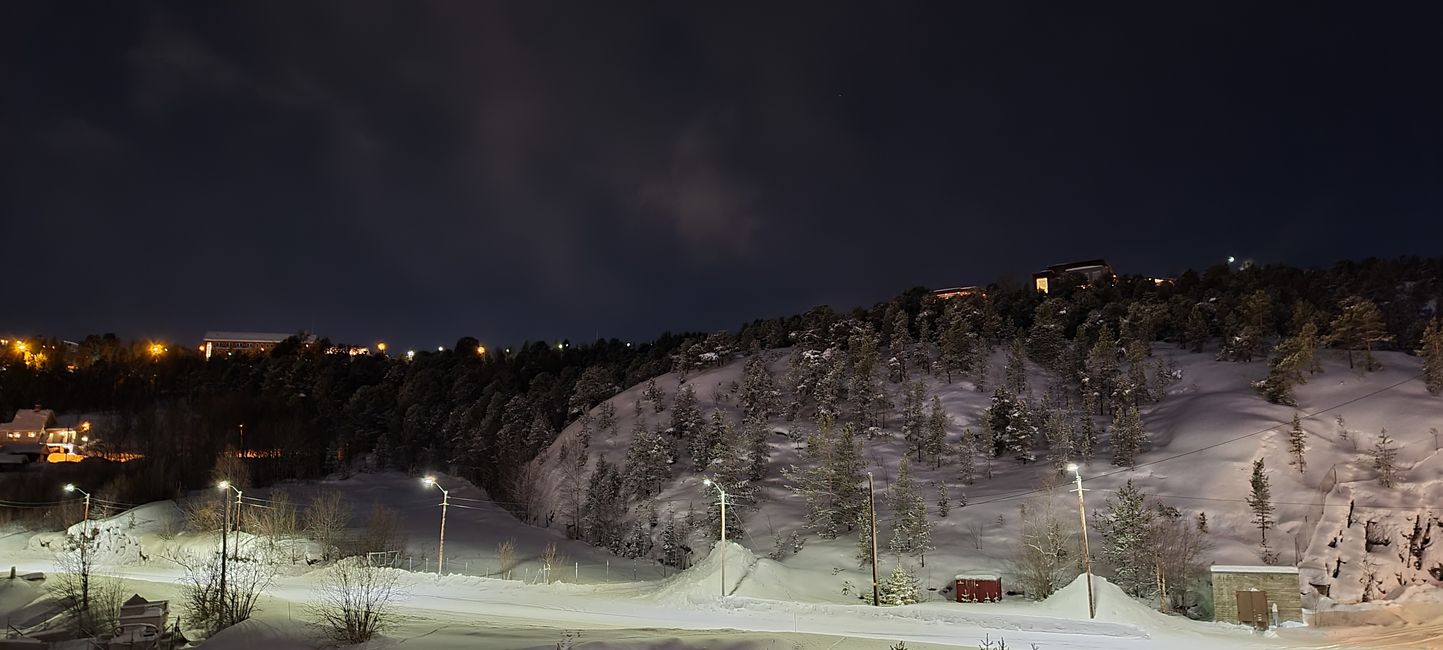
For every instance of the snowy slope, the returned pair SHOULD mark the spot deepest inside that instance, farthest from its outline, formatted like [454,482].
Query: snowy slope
[1205,435]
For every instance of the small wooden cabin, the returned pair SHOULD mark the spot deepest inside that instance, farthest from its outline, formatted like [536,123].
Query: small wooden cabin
[978,588]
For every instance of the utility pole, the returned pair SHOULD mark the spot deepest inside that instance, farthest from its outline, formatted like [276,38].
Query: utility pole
[872,510]
[723,493]
[84,548]
[445,501]
[227,485]
[1086,554]
[224,529]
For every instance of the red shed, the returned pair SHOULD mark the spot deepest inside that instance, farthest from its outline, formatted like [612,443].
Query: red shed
[979,588]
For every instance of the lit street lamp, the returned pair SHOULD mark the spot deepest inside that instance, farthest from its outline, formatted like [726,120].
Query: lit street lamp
[723,493]
[70,487]
[224,552]
[445,501]
[1086,554]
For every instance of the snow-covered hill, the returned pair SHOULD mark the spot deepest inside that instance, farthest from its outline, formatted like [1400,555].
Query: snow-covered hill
[1205,435]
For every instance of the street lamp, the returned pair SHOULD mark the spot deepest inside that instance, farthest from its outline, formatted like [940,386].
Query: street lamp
[1086,553]
[723,493]
[445,501]
[224,485]
[70,487]
[224,552]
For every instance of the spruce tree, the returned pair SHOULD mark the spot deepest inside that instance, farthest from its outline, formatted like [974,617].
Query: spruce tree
[686,419]
[944,503]
[864,538]
[1298,444]
[1432,354]
[1046,339]
[1198,329]
[955,340]
[1128,437]
[706,441]
[1137,372]
[966,457]
[648,462]
[900,588]
[1015,372]
[913,419]
[1250,329]
[654,394]
[1385,460]
[911,531]
[1059,439]
[1359,325]
[1125,524]
[900,345]
[606,419]
[1100,370]
[1260,500]
[1086,436]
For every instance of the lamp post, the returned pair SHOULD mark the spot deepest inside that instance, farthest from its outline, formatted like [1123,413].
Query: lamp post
[872,515]
[1086,553]
[445,501]
[84,549]
[224,552]
[723,494]
[238,502]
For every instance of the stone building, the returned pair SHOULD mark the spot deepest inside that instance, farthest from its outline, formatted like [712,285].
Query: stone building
[1247,594]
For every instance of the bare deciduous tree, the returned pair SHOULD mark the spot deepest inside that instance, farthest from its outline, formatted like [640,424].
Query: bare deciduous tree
[200,587]
[552,562]
[326,517]
[92,600]
[353,601]
[1045,558]
[505,558]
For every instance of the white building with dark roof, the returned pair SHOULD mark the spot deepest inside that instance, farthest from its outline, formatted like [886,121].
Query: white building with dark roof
[227,343]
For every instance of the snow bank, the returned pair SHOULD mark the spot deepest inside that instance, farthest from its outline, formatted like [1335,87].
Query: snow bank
[1113,604]
[702,582]
[252,634]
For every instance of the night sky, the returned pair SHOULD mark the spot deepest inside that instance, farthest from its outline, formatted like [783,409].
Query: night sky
[420,171]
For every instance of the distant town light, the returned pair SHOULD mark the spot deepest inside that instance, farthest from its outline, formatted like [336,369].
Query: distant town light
[381,346]
[481,350]
[440,348]
[410,354]
[1232,259]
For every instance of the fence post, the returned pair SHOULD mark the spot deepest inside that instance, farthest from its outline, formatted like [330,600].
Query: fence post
[577,578]
[608,569]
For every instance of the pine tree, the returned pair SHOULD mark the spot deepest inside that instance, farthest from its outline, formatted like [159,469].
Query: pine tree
[573,494]
[1385,460]
[1125,524]
[686,419]
[943,502]
[654,394]
[1260,500]
[955,340]
[1359,325]
[864,538]
[1432,354]
[648,462]
[1086,437]
[911,530]
[900,588]
[1137,372]
[1007,419]
[936,432]
[1100,370]
[604,506]
[966,457]
[758,393]
[913,419]
[1198,329]
[901,344]
[1059,439]
[1251,328]
[706,441]
[729,470]
[672,544]
[867,397]
[606,419]
[1128,437]
[1015,372]
[760,452]
[1298,444]
[1046,340]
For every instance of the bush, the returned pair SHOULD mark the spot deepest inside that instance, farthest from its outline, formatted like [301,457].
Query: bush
[353,601]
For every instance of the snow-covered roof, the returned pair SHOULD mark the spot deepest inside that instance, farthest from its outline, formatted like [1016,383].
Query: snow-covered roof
[30,420]
[1248,568]
[977,576]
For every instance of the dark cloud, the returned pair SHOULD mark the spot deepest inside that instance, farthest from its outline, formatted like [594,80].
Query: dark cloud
[424,170]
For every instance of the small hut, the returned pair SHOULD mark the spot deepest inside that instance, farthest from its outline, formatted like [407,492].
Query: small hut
[1252,594]
[978,588]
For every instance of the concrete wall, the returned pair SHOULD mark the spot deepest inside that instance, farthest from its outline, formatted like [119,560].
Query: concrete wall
[1282,588]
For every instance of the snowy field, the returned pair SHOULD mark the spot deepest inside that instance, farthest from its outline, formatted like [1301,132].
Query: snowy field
[1205,435]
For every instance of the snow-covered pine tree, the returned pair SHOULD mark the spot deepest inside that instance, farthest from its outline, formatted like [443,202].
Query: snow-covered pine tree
[1385,459]
[826,393]
[846,479]
[604,507]
[1060,447]
[1359,325]
[900,344]
[955,340]
[913,419]
[1015,372]
[862,386]
[706,441]
[936,429]
[1125,524]
[729,469]
[1128,437]
[1137,372]
[944,503]
[911,530]
[864,538]
[1431,351]
[1250,328]
[900,588]
[966,457]
[1100,369]
[1298,444]
[671,546]
[758,393]
[1046,340]
[654,394]
[606,419]
[648,461]
[686,419]
[1198,329]
[987,442]
[1085,437]
[1260,499]
[921,359]
[759,449]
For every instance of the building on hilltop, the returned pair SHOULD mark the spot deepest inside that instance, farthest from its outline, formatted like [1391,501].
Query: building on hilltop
[228,343]
[1093,270]
[958,292]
